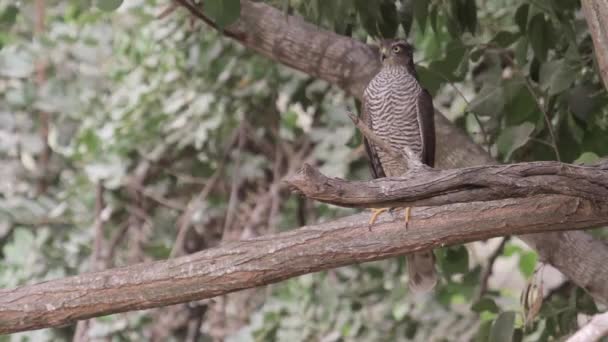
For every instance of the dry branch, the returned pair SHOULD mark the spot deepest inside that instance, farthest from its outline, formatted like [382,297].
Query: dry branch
[350,64]
[432,187]
[269,259]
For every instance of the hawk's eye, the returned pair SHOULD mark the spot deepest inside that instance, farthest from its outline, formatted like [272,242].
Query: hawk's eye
[396,49]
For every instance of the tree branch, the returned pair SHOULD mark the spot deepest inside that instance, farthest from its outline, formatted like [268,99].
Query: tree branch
[350,64]
[596,15]
[269,259]
[432,187]
[594,331]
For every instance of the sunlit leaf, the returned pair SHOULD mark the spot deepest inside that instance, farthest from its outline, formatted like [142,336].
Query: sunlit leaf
[587,158]
[527,263]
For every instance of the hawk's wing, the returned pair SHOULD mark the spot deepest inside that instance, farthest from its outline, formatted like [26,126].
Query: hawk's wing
[374,160]
[426,121]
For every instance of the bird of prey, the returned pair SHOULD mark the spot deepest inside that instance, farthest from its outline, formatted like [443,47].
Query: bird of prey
[400,112]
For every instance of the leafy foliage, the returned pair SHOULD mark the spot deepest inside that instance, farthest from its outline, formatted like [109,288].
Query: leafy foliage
[149,109]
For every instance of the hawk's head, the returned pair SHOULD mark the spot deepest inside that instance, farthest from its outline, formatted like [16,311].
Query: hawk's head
[396,52]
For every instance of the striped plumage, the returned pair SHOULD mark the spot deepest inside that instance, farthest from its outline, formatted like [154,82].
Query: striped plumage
[400,111]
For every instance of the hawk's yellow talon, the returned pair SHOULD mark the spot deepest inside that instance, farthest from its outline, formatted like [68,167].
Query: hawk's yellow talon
[407,216]
[375,213]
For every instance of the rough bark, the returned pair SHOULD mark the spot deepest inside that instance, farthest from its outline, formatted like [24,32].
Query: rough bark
[268,259]
[350,64]
[596,15]
[432,187]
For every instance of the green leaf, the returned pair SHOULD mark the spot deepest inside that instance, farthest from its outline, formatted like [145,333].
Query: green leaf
[406,16]
[389,23]
[9,15]
[587,158]
[223,12]
[512,138]
[561,80]
[541,36]
[485,304]
[505,38]
[521,50]
[433,16]
[470,15]
[369,14]
[483,334]
[521,17]
[520,105]
[489,102]
[429,79]
[108,5]
[527,263]
[503,327]
[455,260]
[556,76]
[421,12]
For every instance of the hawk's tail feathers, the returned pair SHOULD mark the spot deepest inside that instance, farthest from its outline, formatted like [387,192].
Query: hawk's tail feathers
[421,271]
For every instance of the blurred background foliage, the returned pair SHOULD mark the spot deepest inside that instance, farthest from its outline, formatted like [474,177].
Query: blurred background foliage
[130,132]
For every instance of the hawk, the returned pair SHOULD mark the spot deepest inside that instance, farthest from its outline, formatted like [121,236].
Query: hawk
[400,111]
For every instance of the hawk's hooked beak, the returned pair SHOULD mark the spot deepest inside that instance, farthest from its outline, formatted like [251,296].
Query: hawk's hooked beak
[383,54]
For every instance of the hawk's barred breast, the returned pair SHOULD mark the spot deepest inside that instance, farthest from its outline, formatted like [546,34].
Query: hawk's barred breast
[391,99]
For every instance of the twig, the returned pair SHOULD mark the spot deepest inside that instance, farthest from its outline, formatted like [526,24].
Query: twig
[485,276]
[98,227]
[486,138]
[44,116]
[236,182]
[545,114]
[593,331]
[114,242]
[275,187]
[185,220]
[167,10]
[197,13]
[171,204]
[540,106]
[81,333]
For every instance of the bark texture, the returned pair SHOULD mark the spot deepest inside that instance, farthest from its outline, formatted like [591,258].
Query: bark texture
[432,187]
[596,14]
[269,259]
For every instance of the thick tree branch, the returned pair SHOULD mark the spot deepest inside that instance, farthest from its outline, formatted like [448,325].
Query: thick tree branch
[596,14]
[269,259]
[350,64]
[432,187]
[593,331]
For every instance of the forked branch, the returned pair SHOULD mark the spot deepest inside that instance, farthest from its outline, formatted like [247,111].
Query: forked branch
[432,187]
